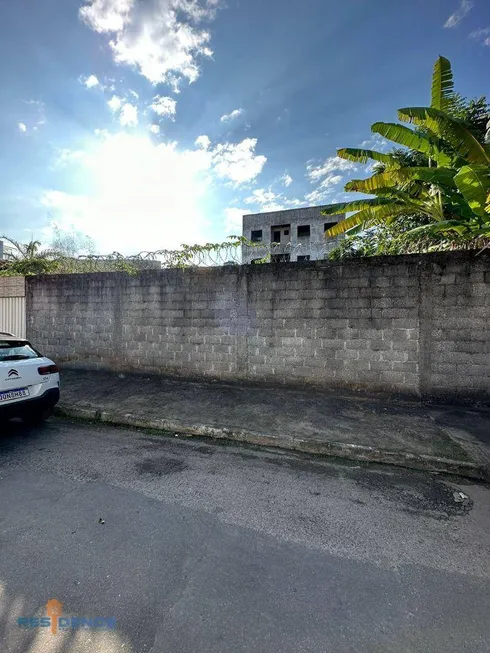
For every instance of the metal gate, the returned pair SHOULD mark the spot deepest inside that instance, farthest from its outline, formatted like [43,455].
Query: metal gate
[13,305]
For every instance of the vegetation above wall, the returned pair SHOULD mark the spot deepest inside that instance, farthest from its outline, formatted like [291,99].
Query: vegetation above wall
[434,192]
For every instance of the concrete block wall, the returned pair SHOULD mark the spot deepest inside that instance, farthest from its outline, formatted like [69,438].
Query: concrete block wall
[413,325]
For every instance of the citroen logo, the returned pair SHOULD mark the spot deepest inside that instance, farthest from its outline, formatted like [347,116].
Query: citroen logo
[13,373]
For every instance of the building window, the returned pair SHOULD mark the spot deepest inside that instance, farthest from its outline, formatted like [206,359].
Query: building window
[256,236]
[304,231]
[328,225]
[276,236]
[280,258]
[286,232]
[304,257]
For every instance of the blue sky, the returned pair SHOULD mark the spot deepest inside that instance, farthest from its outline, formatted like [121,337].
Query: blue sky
[148,123]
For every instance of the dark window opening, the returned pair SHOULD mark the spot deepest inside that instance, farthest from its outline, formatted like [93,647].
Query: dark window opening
[328,225]
[304,257]
[280,258]
[286,232]
[256,236]
[304,231]
[276,236]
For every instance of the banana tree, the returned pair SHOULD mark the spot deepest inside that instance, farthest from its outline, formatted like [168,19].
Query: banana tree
[451,190]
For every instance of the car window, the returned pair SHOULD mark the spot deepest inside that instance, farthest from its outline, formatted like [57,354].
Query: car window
[12,350]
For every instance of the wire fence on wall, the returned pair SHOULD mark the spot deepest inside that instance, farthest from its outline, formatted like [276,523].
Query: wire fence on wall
[234,252]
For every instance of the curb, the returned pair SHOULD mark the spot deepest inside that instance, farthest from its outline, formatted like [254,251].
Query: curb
[315,447]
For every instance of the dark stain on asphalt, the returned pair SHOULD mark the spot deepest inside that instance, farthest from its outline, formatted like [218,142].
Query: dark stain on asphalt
[203,449]
[151,446]
[161,466]
[295,464]
[417,494]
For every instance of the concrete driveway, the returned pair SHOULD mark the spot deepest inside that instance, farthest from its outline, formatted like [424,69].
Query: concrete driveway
[197,547]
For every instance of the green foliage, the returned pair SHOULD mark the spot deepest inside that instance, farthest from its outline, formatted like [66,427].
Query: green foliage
[454,132]
[30,259]
[474,114]
[404,235]
[27,267]
[441,181]
[442,85]
[474,184]
[413,140]
[363,156]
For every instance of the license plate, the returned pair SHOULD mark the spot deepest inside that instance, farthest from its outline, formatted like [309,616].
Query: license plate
[14,394]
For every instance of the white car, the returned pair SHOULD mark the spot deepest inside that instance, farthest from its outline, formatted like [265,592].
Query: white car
[29,382]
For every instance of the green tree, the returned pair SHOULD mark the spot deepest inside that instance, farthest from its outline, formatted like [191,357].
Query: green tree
[25,258]
[449,184]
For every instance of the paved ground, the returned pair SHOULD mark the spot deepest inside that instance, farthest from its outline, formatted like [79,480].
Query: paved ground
[209,548]
[300,419]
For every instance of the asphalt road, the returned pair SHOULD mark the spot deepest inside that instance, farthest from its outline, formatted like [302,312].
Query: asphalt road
[199,547]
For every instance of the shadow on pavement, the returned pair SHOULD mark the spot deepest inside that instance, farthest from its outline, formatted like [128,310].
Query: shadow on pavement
[14,434]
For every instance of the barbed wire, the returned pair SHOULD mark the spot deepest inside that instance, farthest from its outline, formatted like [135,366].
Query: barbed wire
[236,250]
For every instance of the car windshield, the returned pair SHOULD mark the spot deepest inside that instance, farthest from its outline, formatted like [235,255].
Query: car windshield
[16,350]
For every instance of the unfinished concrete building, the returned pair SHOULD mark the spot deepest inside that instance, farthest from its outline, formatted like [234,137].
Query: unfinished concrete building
[290,235]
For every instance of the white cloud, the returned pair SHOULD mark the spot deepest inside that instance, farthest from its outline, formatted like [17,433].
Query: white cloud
[36,114]
[130,209]
[324,190]
[106,15]
[155,129]
[330,180]
[316,172]
[21,127]
[90,82]
[233,221]
[115,103]
[267,200]
[296,202]
[236,113]
[129,115]
[174,82]
[164,106]
[454,19]
[262,196]
[161,38]
[317,196]
[66,157]
[238,161]
[482,35]
[376,142]
[286,179]
[202,142]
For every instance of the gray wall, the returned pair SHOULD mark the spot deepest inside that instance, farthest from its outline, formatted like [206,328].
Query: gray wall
[413,324]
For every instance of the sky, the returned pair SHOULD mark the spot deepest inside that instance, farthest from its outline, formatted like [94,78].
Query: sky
[146,124]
